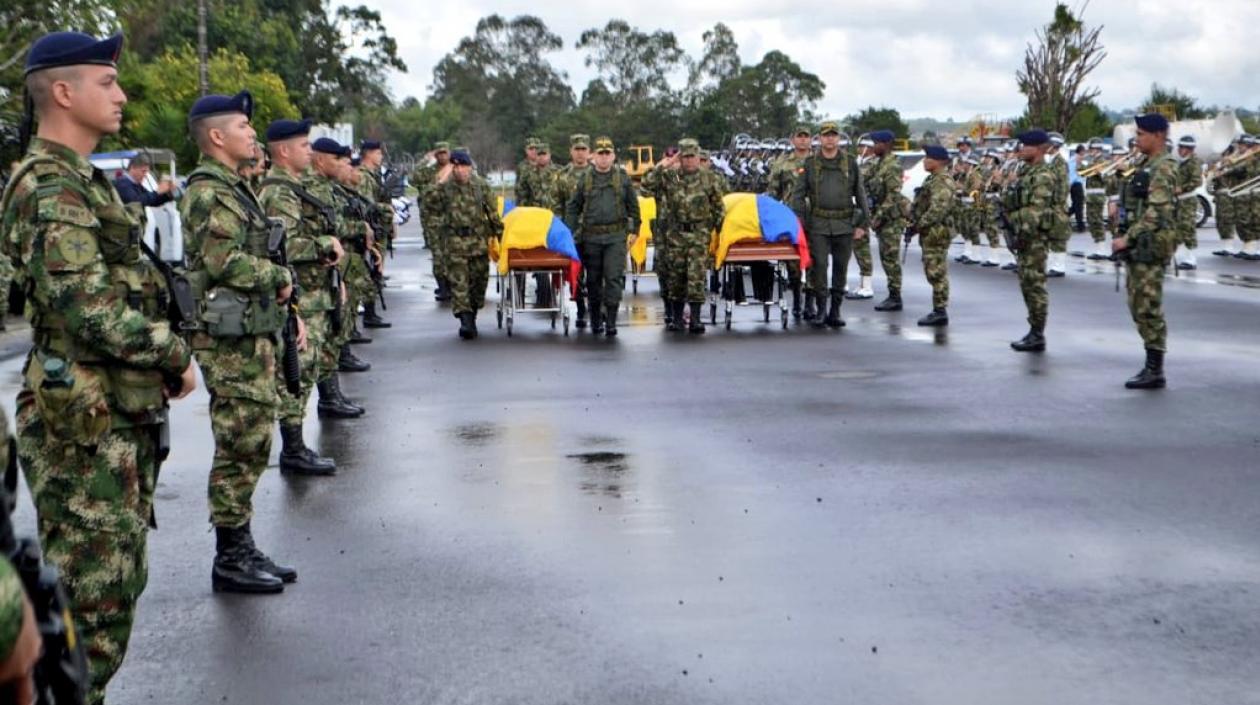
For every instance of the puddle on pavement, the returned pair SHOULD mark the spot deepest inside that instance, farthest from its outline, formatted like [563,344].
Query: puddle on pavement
[477,434]
[643,315]
[850,374]
[603,461]
[1243,280]
[603,472]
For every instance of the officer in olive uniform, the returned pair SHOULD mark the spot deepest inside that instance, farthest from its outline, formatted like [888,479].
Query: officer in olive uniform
[92,403]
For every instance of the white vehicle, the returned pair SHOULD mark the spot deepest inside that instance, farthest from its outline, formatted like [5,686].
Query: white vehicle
[912,172]
[163,229]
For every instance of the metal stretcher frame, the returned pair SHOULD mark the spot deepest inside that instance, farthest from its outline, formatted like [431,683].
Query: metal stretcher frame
[644,271]
[739,256]
[536,260]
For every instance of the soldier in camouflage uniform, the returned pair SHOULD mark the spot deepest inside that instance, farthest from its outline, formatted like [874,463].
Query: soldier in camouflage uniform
[1096,201]
[1189,179]
[566,181]
[964,174]
[783,175]
[1056,260]
[888,213]
[104,357]
[929,216]
[469,221]
[371,185]
[605,209]
[313,251]
[333,179]
[425,179]
[244,296]
[526,190]
[656,183]
[1223,203]
[862,250]
[21,645]
[718,179]
[1149,201]
[1030,205]
[830,199]
[1247,205]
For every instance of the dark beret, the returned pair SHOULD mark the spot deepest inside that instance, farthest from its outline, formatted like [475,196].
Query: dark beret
[937,152]
[1152,122]
[345,151]
[327,145]
[459,156]
[72,49]
[368,145]
[1033,138]
[211,105]
[882,136]
[355,161]
[287,129]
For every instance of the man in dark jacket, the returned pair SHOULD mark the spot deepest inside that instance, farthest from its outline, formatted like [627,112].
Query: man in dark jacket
[131,184]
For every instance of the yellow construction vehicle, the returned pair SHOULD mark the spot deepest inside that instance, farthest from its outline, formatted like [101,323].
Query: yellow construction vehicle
[641,160]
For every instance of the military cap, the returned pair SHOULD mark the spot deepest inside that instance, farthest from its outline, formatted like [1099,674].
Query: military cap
[803,130]
[355,161]
[866,141]
[1096,143]
[882,136]
[72,49]
[965,139]
[459,156]
[603,144]
[287,129]
[829,127]
[212,105]
[369,145]
[441,146]
[688,148]
[1151,122]
[579,139]
[1055,138]
[345,152]
[969,159]
[542,148]
[1033,138]
[532,142]
[326,145]
[937,152]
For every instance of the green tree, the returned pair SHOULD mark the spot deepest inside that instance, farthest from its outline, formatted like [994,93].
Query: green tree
[634,65]
[1184,106]
[768,99]
[873,118]
[410,127]
[720,61]
[1090,122]
[1054,71]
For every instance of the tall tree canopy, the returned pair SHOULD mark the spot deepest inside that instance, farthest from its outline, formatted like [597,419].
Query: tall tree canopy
[1055,69]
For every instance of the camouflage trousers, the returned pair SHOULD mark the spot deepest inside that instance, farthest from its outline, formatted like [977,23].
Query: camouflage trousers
[93,506]
[242,431]
[1225,220]
[988,227]
[834,250]
[318,360]
[1095,211]
[862,253]
[935,246]
[1060,235]
[1145,286]
[890,253]
[6,279]
[604,258]
[1186,226]
[661,240]
[436,241]
[689,262]
[1032,280]
[468,272]
[1247,217]
[965,221]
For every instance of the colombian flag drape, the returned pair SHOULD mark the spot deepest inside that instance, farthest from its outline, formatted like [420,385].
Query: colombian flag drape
[527,227]
[750,216]
[647,213]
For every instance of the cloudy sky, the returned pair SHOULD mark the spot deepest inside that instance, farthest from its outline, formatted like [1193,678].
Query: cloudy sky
[927,59]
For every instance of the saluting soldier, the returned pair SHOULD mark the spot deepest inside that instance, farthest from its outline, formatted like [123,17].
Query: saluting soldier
[92,396]
[425,178]
[930,216]
[469,221]
[1030,207]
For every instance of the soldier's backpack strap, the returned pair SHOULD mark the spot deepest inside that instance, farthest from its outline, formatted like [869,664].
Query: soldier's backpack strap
[327,213]
[246,199]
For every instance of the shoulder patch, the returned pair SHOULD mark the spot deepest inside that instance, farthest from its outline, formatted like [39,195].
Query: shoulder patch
[77,248]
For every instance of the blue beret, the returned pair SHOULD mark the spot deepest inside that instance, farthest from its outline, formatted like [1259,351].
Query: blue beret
[1152,122]
[355,161]
[937,152]
[1034,138]
[72,49]
[211,105]
[367,145]
[327,145]
[345,151]
[882,136]
[461,157]
[287,129]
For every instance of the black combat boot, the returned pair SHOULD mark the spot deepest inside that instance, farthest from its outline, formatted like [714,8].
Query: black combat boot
[234,567]
[334,386]
[833,314]
[697,324]
[675,317]
[472,319]
[936,318]
[296,458]
[371,319]
[809,313]
[349,362]
[597,317]
[796,301]
[610,322]
[820,317]
[1152,375]
[264,563]
[443,292]
[580,323]
[669,314]
[331,404]
[466,329]
[892,303]
[1035,341]
[358,338]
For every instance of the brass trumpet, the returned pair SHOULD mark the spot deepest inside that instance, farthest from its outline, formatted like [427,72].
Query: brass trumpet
[1228,165]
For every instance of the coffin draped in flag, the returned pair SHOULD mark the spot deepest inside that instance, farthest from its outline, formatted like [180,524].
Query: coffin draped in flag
[753,216]
[526,227]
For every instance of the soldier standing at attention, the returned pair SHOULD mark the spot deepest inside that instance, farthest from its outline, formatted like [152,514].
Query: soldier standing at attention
[605,209]
[1057,258]
[244,296]
[104,358]
[566,181]
[313,249]
[888,213]
[1030,204]
[783,176]
[525,187]
[542,190]
[1189,179]
[371,185]
[830,199]
[1096,200]
[930,214]
[332,179]
[469,220]
[425,179]
[1150,199]
[862,250]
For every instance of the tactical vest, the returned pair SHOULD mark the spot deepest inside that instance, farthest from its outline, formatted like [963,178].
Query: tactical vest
[814,174]
[231,313]
[587,186]
[324,213]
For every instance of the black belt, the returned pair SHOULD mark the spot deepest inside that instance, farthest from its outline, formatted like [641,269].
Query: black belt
[604,229]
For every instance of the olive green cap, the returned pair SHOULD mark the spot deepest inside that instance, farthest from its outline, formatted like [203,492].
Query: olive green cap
[542,148]
[603,144]
[803,130]
[441,146]
[829,127]
[580,140]
[688,148]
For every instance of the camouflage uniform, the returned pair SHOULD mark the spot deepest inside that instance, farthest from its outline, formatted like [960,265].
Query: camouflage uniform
[527,188]
[226,246]
[372,187]
[656,185]
[1189,178]
[1247,211]
[469,218]
[888,216]
[1063,227]
[862,250]
[425,180]
[783,175]
[930,215]
[830,199]
[545,183]
[964,213]
[697,211]
[353,234]
[1030,206]
[1096,205]
[605,209]
[1226,210]
[11,609]
[310,232]
[1151,238]
[88,445]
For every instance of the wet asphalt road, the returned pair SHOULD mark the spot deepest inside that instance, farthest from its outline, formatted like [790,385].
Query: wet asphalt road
[879,515]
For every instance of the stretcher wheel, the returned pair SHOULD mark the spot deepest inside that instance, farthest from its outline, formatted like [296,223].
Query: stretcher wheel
[509,326]
[765,308]
[499,315]
[728,319]
[713,313]
[784,316]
